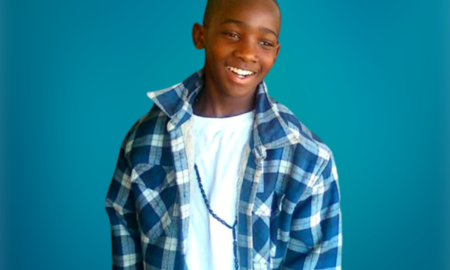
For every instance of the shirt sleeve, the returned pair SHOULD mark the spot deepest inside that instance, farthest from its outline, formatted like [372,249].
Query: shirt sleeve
[126,249]
[315,237]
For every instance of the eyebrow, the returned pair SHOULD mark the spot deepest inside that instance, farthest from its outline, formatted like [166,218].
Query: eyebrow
[262,28]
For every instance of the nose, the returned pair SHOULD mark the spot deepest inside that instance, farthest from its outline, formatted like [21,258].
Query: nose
[247,51]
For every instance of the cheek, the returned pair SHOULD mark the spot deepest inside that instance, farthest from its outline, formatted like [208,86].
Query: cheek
[212,56]
[267,57]
[218,53]
[267,64]
[220,49]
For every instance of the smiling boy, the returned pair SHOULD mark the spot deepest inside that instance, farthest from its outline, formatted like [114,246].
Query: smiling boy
[218,175]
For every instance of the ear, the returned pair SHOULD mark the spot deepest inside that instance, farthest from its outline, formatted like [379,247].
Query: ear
[198,36]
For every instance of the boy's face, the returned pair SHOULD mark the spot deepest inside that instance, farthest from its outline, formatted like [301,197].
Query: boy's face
[241,45]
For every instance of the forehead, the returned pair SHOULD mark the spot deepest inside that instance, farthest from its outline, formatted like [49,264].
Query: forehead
[257,13]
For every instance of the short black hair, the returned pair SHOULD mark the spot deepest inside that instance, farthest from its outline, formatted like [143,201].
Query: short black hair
[212,5]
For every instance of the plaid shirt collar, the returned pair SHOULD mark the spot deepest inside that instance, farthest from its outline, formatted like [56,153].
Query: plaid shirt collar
[270,129]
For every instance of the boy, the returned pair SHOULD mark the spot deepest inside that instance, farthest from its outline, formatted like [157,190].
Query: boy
[218,175]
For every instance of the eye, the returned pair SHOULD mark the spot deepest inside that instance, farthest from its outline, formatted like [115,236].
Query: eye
[231,35]
[266,43]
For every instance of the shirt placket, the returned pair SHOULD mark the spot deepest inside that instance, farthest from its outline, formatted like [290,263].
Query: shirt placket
[247,192]
[182,149]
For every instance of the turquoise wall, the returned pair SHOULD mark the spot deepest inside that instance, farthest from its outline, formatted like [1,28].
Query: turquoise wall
[368,77]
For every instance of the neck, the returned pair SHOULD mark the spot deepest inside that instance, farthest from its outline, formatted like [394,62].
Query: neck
[212,104]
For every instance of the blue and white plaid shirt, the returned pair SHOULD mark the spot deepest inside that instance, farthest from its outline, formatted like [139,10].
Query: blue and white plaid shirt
[288,210]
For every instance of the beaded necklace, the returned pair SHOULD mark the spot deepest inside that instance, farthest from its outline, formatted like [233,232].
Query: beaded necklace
[211,212]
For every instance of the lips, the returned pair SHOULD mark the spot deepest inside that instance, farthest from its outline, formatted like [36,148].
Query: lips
[241,73]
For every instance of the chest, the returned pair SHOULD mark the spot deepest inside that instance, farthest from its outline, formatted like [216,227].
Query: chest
[162,190]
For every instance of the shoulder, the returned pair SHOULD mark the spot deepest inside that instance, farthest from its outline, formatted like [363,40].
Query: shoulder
[309,162]
[308,143]
[296,126]
[147,133]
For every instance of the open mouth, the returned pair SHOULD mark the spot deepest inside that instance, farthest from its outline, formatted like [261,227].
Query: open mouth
[241,73]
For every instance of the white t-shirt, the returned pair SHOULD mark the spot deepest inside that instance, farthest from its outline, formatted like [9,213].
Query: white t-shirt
[219,143]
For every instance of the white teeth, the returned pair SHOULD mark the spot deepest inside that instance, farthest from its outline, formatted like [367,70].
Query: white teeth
[240,72]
